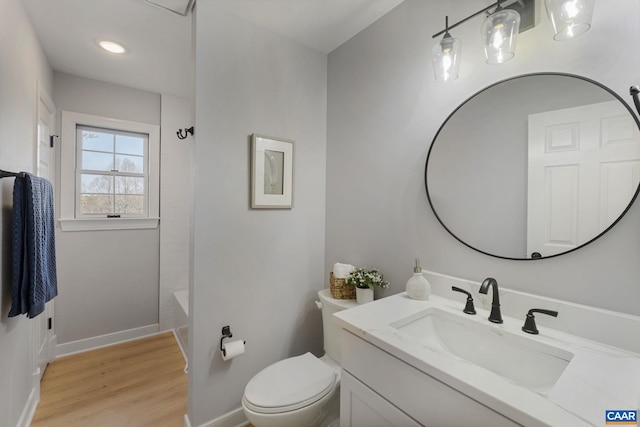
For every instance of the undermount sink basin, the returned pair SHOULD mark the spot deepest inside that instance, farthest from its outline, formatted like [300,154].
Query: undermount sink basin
[520,359]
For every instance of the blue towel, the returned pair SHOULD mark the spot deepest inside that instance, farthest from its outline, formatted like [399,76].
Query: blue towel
[34,280]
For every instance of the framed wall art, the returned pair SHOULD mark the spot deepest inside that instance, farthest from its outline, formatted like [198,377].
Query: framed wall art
[271,172]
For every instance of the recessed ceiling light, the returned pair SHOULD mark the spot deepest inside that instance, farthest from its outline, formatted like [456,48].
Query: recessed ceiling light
[112,47]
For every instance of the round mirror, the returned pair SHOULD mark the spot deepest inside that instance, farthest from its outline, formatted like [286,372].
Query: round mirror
[534,166]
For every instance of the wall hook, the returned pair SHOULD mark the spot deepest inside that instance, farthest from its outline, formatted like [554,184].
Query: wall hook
[186,133]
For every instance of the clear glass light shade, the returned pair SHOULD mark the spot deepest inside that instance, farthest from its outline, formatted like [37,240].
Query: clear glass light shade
[569,18]
[445,57]
[499,34]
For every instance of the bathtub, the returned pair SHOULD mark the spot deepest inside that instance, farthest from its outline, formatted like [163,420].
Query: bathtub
[181,319]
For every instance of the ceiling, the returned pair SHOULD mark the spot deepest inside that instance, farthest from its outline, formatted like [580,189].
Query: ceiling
[158,42]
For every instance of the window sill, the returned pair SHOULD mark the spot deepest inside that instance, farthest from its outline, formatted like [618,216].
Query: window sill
[98,224]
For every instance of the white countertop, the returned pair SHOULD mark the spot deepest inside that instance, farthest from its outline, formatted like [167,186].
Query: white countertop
[598,378]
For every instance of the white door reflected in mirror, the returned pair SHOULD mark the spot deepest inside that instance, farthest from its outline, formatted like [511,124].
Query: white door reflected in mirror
[573,151]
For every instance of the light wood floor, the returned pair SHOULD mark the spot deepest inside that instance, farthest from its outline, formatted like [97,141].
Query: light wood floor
[138,383]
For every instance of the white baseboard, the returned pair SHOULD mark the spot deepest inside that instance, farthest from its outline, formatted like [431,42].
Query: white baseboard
[184,353]
[93,343]
[234,418]
[29,409]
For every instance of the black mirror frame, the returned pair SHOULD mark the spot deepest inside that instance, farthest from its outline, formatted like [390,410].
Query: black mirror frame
[600,85]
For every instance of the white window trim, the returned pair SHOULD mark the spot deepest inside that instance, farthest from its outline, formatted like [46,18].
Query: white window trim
[68,152]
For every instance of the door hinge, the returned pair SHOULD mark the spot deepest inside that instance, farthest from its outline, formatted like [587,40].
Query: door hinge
[50,323]
[51,139]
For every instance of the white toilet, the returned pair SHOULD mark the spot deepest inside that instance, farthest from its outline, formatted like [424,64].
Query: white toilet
[302,390]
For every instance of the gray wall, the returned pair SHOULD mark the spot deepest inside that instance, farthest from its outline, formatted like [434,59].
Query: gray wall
[108,280]
[22,63]
[255,270]
[384,108]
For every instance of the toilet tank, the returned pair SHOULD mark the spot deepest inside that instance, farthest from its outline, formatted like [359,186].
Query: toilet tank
[330,328]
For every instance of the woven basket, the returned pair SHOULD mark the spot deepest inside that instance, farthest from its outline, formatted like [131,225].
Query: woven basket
[340,289]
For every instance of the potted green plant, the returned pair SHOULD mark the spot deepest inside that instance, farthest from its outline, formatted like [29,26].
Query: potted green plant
[365,281]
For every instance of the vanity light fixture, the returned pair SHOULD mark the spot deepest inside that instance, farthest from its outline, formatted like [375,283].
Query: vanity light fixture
[112,47]
[445,56]
[569,18]
[499,34]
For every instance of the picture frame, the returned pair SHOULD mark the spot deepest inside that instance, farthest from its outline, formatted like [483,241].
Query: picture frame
[271,172]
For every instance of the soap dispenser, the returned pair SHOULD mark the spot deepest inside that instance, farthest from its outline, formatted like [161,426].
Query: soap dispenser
[418,287]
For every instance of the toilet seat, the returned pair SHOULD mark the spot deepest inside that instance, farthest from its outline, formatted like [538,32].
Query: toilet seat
[290,384]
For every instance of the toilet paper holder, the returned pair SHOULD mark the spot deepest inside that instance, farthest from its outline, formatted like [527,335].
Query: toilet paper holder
[226,333]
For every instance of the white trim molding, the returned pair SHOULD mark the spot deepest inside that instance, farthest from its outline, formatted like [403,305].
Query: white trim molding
[68,152]
[30,407]
[90,224]
[234,418]
[93,343]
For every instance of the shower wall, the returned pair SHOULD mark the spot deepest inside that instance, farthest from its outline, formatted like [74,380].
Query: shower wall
[175,203]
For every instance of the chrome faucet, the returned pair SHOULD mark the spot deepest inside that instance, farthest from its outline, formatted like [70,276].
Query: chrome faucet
[495,315]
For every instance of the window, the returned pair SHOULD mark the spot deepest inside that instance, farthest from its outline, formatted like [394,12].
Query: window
[112,170]
[109,176]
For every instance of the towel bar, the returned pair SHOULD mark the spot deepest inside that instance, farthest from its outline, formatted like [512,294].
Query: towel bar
[7,174]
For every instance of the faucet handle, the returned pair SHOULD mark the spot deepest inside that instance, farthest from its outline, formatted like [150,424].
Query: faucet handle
[468,308]
[530,322]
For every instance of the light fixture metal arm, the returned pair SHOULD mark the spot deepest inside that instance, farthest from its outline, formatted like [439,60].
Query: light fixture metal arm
[450,27]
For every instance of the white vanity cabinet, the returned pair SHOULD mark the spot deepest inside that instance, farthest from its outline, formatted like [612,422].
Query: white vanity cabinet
[361,406]
[410,362]
[378,389]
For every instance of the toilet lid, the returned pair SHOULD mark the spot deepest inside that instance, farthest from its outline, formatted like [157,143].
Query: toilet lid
[290,384]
